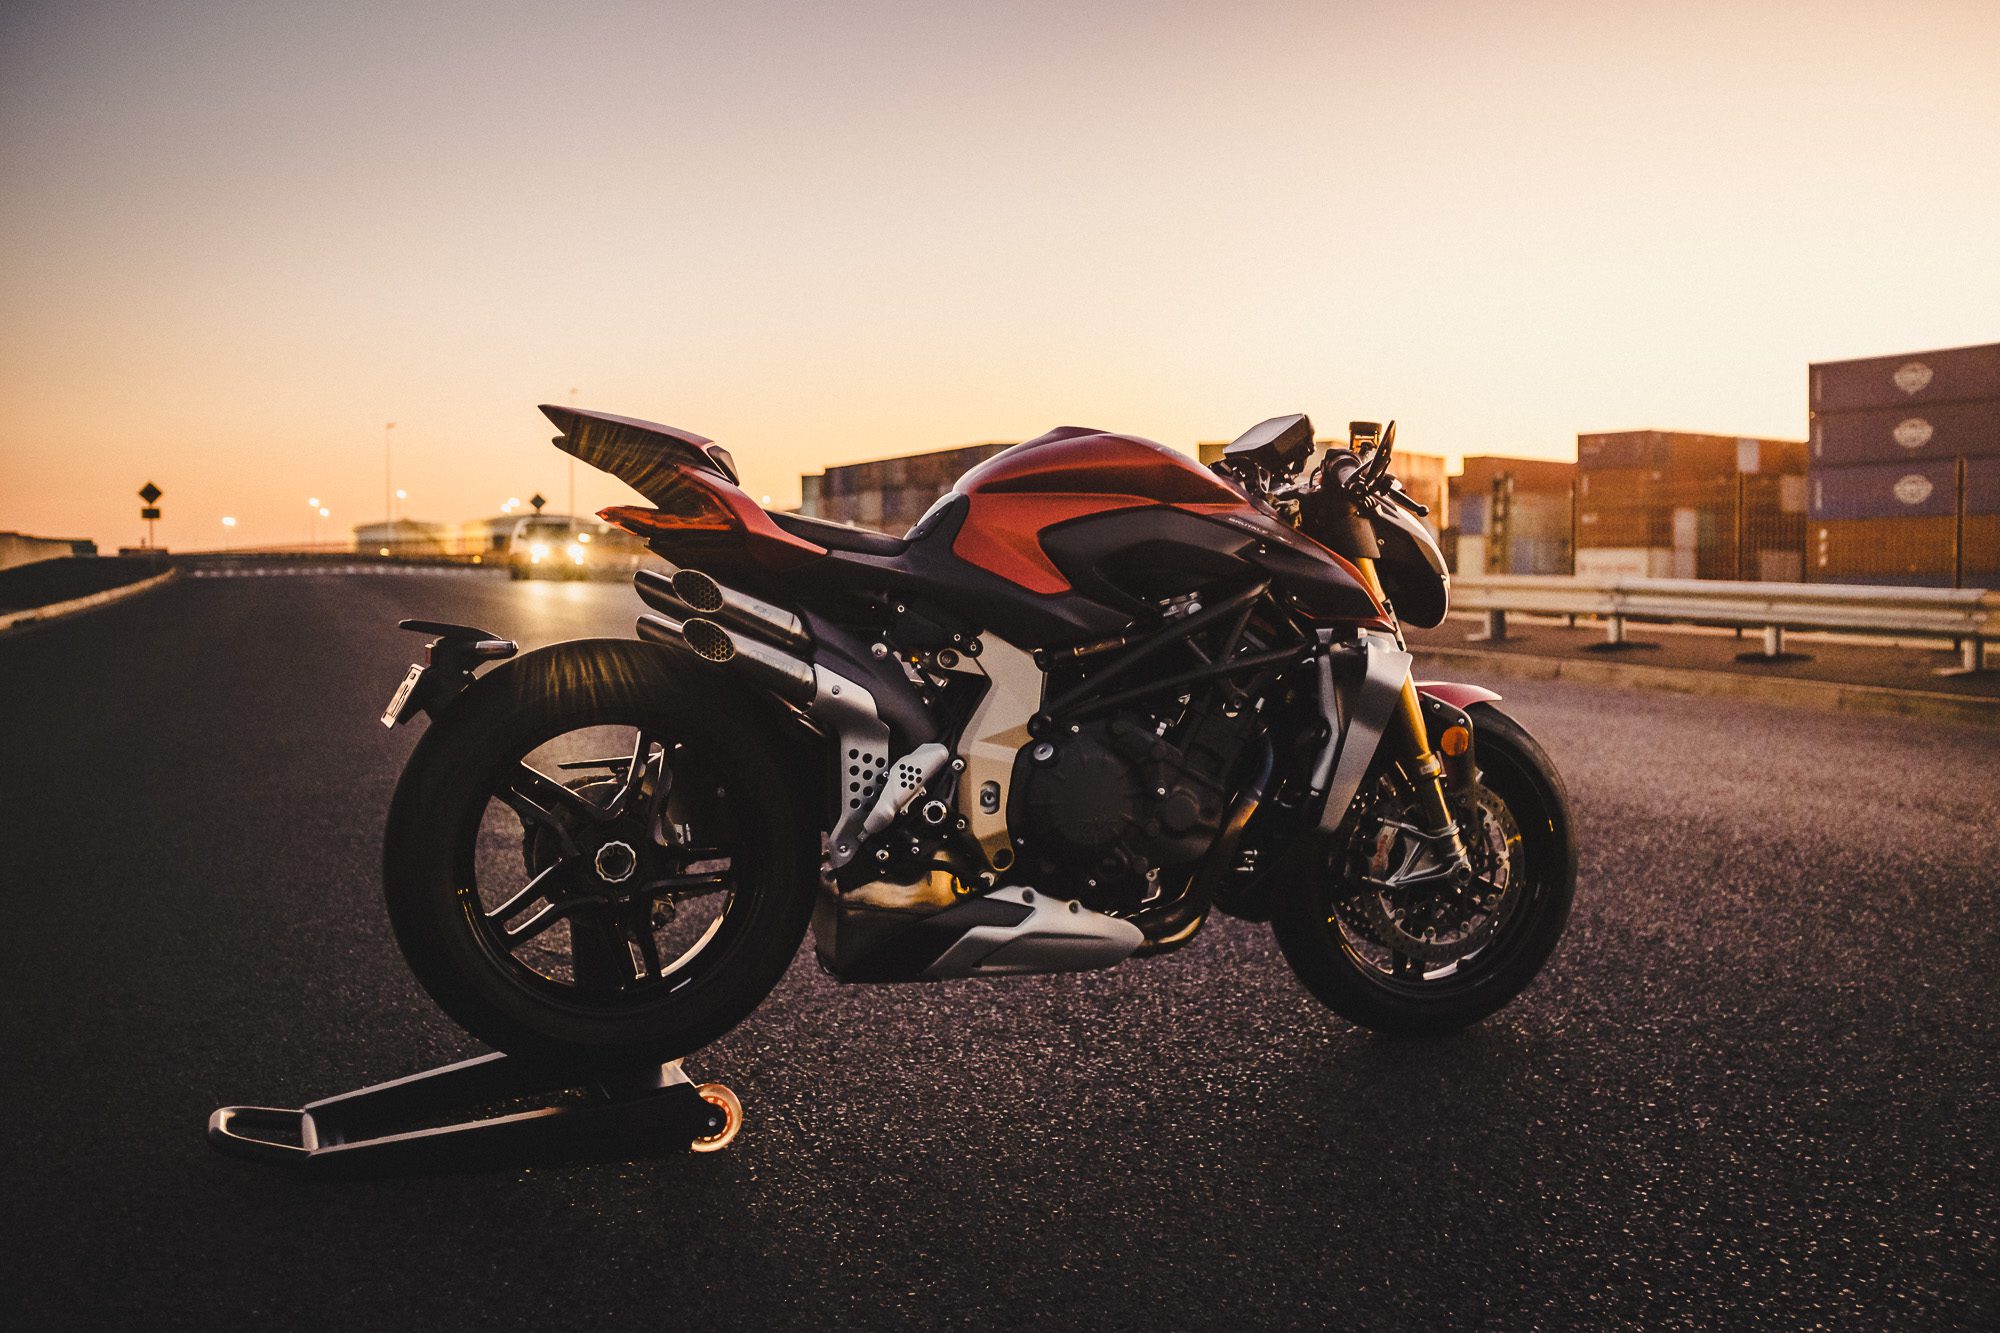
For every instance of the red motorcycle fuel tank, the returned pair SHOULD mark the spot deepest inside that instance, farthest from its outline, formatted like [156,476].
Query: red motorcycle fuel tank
[1072,473]
[1069,473]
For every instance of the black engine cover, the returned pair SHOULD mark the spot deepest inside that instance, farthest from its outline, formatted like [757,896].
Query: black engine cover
[1115,800]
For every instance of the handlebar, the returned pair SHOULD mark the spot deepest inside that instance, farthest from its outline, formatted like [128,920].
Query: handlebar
[1402,500]
[1364,481]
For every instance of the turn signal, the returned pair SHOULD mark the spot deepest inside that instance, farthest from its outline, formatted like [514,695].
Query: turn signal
[1455,741]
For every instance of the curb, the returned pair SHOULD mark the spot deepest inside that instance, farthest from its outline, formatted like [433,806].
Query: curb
[1831,694]
[36,614]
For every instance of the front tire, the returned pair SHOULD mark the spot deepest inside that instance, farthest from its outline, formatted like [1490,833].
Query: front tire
[1347,954]
[536,883]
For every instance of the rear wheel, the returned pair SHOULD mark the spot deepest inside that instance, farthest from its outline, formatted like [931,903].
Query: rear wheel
[1426,960]
[595,853]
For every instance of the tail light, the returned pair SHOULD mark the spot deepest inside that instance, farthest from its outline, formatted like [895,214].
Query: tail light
[686,503]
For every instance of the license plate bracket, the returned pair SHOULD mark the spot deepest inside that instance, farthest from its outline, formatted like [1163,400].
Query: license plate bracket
[401,704]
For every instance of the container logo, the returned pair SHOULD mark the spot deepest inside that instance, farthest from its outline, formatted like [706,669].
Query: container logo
[1913,377]
[1914,433]
[1913,489]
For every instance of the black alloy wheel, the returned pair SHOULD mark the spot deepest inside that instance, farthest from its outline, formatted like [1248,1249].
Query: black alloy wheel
[1422,958]
[595,852]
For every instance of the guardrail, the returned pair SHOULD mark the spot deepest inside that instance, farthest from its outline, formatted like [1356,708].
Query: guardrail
[1969,615]
[409,554]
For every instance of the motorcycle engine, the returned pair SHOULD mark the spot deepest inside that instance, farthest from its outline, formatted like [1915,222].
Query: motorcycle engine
[1098,814]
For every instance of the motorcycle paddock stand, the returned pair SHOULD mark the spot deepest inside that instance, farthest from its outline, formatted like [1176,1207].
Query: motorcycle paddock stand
[572,1113]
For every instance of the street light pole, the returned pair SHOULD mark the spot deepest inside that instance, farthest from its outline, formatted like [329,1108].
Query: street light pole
[572,472]
[388,488]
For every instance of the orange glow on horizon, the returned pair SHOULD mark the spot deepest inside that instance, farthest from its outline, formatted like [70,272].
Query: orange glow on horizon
[235,246]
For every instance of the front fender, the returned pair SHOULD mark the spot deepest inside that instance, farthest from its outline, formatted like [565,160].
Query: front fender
[1458,696]
[1446,703]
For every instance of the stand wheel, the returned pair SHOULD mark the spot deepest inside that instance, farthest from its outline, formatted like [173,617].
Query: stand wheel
[719,1095]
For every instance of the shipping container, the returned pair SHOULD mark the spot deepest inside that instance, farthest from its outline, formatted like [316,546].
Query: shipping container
[1530,514]
[1760,457]
[1648,449]
[1684,453]
[1876,491]
[1915,550]
[1536,475]
[1468,512]
[1465,553]
[1536,541]
[1982,486]
[1781,566]
[1949,375]
[1539,555]
[1630,562]
[1651,488]
[1879,435]
[1623,527]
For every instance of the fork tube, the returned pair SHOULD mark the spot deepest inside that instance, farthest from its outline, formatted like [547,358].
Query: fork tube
[1426,769]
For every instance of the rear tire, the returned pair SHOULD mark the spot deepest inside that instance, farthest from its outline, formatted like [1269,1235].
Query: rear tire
[433,854]
[1325,956]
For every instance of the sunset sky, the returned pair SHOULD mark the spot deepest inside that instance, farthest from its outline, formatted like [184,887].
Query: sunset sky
[238,238]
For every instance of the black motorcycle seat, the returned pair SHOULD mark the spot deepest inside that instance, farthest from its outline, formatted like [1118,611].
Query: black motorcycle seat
[840,537]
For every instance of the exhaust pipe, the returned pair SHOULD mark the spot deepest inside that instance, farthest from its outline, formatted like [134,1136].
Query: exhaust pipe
[778,671]
[689,593]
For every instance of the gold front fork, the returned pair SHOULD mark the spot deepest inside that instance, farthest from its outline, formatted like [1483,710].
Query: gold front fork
[1426,769]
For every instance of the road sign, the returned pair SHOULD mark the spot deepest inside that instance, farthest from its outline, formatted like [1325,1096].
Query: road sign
[151,513]
[537,501]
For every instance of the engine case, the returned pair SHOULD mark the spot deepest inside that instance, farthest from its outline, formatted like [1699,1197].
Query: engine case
[1116,801]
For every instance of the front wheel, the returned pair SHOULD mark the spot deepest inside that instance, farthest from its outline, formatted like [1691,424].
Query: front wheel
[1425,961]
[597,852]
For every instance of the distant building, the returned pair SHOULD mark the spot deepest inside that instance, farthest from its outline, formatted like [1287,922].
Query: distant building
[487,536]
[890,494]
[478,536]
[403,536]
[535,543]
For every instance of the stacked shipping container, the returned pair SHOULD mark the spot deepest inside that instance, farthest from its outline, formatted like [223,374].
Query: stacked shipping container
[1669,504]
[1512,516]
[1905,468]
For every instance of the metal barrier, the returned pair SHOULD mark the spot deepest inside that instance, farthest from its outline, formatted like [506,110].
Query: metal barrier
[1969,615]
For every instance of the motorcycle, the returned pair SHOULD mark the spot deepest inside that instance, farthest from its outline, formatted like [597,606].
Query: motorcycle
[1097,694]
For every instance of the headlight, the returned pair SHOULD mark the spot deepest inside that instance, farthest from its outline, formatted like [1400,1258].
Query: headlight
[574,552]
[538,552]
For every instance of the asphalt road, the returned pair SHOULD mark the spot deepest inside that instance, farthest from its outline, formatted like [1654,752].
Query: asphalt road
[1755,1087]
